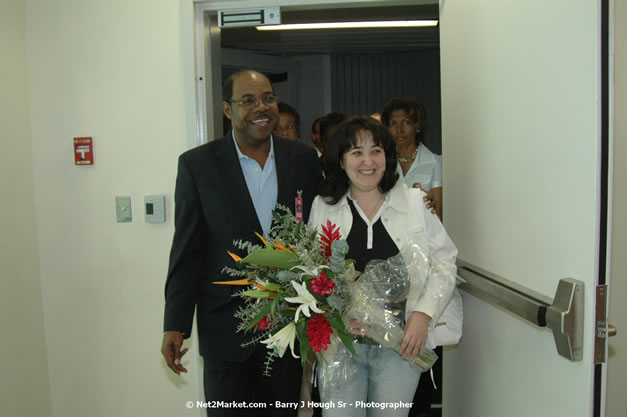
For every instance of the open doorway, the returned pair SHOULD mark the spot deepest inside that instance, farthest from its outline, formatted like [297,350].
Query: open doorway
[354,72]
[347,71]
[350,71]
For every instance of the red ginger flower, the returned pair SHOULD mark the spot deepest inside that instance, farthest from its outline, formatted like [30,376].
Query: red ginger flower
[329,234]
[263,324]
[321,285]
[319,332]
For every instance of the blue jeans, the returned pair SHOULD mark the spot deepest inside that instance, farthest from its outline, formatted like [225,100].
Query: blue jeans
[383,385]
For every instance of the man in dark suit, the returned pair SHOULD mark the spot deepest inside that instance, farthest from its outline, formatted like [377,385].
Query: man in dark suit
[226,190]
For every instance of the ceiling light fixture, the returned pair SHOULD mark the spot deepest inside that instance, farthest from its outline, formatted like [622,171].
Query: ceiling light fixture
[351,25]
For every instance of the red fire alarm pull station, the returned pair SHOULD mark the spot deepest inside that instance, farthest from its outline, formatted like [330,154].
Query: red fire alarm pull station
[83,151]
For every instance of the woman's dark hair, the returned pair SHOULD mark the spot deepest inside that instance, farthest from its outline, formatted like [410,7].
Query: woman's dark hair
[329,122]
[313,125]
[330,119]
[336,182]
[414,109]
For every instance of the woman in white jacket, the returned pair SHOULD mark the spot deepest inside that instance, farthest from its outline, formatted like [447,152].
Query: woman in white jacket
[377,215]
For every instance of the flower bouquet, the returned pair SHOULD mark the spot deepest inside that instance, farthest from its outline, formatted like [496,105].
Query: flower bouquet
[300,286]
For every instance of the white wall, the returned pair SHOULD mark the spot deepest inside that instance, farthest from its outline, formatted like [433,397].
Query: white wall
[617,362]
[24,389]
[118,71]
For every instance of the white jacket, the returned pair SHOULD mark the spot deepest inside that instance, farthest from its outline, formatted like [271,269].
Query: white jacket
[405,218]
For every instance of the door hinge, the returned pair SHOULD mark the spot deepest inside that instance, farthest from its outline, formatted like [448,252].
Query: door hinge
[601,331]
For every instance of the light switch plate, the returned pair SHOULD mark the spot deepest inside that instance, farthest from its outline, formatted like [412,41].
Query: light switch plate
[123,209]
[154,208]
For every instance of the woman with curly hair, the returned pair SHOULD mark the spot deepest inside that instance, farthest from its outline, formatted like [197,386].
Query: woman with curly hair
[406,120]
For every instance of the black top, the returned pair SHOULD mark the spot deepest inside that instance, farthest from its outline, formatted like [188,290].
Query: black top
[383,247]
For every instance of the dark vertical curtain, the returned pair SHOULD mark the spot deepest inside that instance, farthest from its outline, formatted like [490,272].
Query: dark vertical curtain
[362,84]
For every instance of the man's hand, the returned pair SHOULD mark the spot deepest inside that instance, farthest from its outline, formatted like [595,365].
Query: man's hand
[415,335]
[171,350]
[428,199]
[433,200]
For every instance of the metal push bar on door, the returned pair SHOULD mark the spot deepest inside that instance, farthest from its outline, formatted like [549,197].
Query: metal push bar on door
[563,314]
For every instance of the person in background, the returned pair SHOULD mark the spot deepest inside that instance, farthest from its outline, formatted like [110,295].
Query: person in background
[328,123]
[405,118]
[315,135]
[378,215]
[289,122]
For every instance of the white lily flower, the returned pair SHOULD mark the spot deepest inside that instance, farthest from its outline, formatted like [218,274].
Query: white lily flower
[312,271]
[307,270]
[281,339]
[306,300]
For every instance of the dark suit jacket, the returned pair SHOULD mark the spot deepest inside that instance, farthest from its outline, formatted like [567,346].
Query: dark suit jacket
[213,208]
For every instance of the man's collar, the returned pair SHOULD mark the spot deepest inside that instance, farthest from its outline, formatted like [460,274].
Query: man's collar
[240,155]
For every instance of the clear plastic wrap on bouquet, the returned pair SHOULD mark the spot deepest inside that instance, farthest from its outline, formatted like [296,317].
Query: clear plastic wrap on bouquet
[377,309]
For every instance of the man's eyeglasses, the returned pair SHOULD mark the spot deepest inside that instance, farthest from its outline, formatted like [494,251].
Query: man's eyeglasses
[251,102]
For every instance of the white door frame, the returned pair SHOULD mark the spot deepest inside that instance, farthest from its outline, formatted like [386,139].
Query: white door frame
[207,41]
